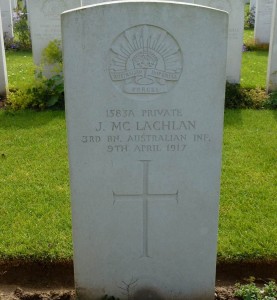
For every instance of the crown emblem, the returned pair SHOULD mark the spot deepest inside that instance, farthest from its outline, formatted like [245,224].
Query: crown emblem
[145,59]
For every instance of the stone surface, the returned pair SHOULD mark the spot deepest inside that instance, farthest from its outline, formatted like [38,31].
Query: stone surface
[272,58]
[3,68]
[90,2]
[14,4]
[235,8]
[6,14]
[252,3]
[263,21]
[144,85]
[45,22]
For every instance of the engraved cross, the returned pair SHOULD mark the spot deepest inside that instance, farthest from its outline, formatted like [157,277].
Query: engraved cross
[145,196]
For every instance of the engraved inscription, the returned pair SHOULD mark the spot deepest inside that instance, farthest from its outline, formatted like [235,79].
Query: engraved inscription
[233,33]
[265,12]
[145,197]
[155,130]
[145,59]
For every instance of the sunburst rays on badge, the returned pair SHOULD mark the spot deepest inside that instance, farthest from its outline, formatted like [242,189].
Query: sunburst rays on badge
[145,55]
[149,45]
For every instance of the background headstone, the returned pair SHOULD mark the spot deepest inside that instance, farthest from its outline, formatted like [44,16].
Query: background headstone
[272,58]
[45,22]
[252,3]
[235,8]
[144,85]
[6,14]
[3,68]
[263,21]
[90,2]
[14,4]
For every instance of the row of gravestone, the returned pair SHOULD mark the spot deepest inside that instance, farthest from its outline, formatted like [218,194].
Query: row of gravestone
[262,25]
[45,26]
[6,8]
[263,17]
[6,30]
[262,10]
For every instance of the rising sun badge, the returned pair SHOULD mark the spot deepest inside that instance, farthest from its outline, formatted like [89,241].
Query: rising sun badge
[145,59]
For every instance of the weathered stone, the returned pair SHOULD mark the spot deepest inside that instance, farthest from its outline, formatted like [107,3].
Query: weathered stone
[235,8]
[144,87]
[45,22]
[272,58]
[3,68]
[263,21]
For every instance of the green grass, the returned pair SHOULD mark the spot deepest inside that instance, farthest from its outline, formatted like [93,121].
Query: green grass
[20,68]
[34,186]
[248,212]
[248,36]
[254,64]
[254,69]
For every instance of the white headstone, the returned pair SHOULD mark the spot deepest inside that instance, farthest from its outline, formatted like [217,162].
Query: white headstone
[235,8]
[90,2]
[252,4]
[3,68]
[263,21]
[45,22]
[144,85]
[14,4]
[6,14]
[272,58]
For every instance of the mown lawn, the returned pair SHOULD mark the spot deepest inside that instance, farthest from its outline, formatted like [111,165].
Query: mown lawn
[248,212]
[254,69]
[254,64]
[35,218]
[34,188]
[20,68]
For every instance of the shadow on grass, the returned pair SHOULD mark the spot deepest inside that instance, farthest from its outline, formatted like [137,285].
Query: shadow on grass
[232,117]
[274,112]
[28,118]
[263,53]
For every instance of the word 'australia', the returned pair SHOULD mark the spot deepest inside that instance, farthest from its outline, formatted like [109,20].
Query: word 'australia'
[156,125]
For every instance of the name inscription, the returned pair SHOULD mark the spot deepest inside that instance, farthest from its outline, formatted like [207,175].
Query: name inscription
[151,130]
